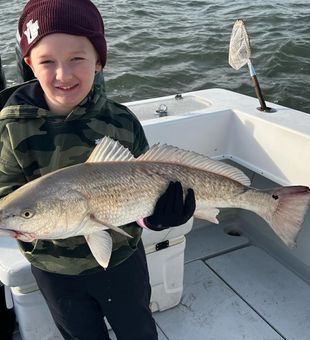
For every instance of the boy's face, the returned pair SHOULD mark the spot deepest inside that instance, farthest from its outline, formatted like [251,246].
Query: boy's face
[65,66]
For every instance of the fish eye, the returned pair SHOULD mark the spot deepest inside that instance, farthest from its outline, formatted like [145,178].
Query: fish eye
[27,213]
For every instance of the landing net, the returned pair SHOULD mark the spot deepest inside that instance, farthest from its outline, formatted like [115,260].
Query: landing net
[239,47]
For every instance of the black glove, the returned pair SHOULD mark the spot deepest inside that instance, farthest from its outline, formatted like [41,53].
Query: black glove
[170,209]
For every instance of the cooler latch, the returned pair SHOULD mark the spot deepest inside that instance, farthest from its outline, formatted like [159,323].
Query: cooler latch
[162,245]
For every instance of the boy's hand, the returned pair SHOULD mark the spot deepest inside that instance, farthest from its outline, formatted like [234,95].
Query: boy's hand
[170,209]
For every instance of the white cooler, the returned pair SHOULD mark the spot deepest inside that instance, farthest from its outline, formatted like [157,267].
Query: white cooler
[165,257]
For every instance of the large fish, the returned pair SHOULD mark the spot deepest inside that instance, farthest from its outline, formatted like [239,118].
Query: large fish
[112,188]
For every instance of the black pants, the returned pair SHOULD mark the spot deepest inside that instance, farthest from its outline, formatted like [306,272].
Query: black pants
[7,319]
[121,294]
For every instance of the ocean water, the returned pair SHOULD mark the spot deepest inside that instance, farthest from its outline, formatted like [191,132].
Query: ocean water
[159,48]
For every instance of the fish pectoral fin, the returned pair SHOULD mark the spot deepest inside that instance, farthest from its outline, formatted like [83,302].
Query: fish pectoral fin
[100,244]
[108,226]
[208,214]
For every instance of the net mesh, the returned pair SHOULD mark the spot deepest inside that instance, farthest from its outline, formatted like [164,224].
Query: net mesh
[239,47]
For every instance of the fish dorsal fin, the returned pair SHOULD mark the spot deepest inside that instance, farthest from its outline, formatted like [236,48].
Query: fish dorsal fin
[172,154]
[108,150]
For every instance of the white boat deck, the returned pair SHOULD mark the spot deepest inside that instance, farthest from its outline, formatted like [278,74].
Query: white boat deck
[232,291]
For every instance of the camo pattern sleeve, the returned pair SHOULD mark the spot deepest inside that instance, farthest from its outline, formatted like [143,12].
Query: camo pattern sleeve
[34,142]
[11,175]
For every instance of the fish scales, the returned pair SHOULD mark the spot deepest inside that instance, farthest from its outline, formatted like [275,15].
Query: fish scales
[122,192]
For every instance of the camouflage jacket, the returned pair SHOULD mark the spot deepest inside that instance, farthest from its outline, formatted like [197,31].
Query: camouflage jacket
[34,142]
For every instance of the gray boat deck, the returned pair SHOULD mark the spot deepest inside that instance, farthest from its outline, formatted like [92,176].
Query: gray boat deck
[234,290]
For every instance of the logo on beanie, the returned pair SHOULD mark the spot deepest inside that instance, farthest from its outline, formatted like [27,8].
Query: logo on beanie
[32,30]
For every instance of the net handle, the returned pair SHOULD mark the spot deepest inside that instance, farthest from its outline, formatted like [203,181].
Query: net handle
[258,91]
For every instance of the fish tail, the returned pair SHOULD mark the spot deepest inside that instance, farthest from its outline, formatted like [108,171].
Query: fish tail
[290,205]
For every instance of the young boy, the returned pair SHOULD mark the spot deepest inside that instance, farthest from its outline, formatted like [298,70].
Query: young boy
[54,122]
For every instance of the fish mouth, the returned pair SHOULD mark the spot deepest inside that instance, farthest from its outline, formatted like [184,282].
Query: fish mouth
[6,232]
[22,236]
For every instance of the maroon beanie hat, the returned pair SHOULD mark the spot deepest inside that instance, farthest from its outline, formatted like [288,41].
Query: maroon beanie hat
[77,17]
